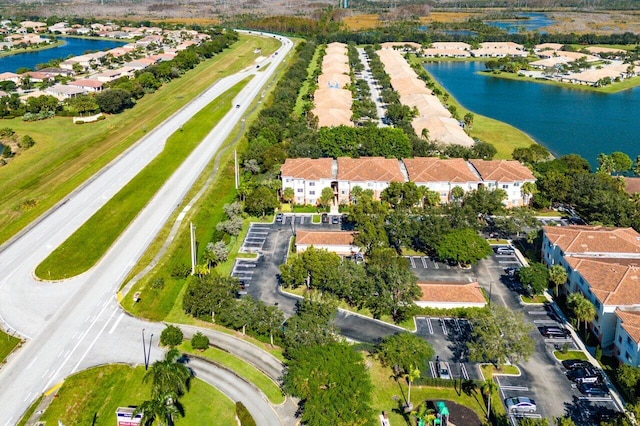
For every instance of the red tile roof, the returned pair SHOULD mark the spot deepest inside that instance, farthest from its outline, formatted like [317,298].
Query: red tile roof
[579,239]
[612,283]
[433,169]
[632,184]
[451,292]
[86,82]
[364,169]
[502,170]
[630,323]
[324,238]
[307,168]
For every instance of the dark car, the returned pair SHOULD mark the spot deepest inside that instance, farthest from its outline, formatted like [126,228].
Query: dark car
[593,389]
[279,217]
[325,218]
[585,375]
[572,364]
[551,332]
[335,220]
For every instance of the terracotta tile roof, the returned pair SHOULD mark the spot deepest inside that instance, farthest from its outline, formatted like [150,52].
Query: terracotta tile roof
[612,283]
[630,322]
[579,239]
[445,130]
[450,45]
[324,238]
[434,169]
[632,185]
[85,82]
[502,170]
[451,292]
[307,168]
[332,80]
[369,169]
[333,117]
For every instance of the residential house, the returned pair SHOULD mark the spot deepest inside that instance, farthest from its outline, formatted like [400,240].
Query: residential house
[508,175]
[441,176]
[62,91]
[308,177]
[111,75]
[87,84]
[339,242]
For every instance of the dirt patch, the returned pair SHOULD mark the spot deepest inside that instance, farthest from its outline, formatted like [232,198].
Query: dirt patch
[459,415]
[598,23]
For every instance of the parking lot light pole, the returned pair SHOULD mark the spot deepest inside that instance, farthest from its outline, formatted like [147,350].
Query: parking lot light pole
[490,291]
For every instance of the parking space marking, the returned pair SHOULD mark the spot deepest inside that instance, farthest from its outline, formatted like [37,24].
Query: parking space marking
[446,265]
[413,262]
[432,367]
[435,265]
[515,388]
[595,398]
[429,325]
[444,327]
[458,326]
[424,262]
[464,372]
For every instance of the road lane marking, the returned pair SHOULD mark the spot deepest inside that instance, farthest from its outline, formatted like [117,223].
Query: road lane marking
[516,388]
[115,324]
[61,352]
[31,363]
[45,373]
[27,397]
[424,262]
[94,340]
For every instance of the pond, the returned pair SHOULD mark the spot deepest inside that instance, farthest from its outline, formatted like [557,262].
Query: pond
[71,47]
[532,21]
[564,120]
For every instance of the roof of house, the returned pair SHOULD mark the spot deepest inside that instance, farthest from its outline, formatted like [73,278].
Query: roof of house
[502,170]
[614,284]
[87,82]
[630,322]
[598,49]
[632,185]
[451,292]
[445,130]
[369,169]
[583,239]
[8,76]
[434,169]
[333,117]
[307,168]
[457,45]
[324,238]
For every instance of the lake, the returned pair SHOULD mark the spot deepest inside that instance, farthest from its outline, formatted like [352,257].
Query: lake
[562,119]
[71,47]
[535,21]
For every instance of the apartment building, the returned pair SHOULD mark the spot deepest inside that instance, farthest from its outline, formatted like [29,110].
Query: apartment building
[508,175]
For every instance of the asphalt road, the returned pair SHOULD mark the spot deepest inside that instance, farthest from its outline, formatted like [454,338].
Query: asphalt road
[76,324]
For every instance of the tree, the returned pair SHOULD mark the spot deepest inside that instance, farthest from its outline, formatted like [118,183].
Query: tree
[463,245]
[288,195]
[326,197]
[171,336]
[621,161]
[468,120]
[169,377]
[582,308]
[605,164]
[500,334]
[261,201]
[403,350]
[629,377]
[113,101]
[528,190]
[311,325]
[534,277]
[565,421]
[199,341]
[207,295]
[216,252]
[233,226]
[162,408]
[557,276]
[413,374]
[330,375]
[26,142]
[488,388]
[82,104]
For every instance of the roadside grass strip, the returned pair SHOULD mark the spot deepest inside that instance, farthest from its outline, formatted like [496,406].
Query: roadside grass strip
[7,344]
[92,396]
[66,155]
[89,243]
[240,367]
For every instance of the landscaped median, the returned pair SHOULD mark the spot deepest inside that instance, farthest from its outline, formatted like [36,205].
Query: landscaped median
[7,345]
[89,243]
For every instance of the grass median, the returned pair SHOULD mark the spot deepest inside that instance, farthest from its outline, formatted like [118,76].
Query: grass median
[88,244]
[92,396]
[7,344]
[240,367]
[67,154]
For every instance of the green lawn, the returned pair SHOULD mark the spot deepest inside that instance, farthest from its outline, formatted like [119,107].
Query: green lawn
[489,370]
[7,344]
[242,368]
[99,391]
[89,243]
[534,299]
[65,155]
[297,110]
[570,355]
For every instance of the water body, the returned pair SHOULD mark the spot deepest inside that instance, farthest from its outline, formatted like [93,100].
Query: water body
[71,47]
[563,120]
[535,21]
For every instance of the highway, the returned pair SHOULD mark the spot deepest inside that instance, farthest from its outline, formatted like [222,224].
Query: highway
[72,325]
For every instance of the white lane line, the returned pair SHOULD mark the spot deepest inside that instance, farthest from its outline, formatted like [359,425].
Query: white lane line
[424,262]
[61,352]
[94,340]
[27,397]
[430,325]
[517,388]
[45,373]
[115,324]
[74,335]
[31,363]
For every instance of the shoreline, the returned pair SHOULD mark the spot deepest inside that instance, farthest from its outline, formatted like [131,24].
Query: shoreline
[48,46]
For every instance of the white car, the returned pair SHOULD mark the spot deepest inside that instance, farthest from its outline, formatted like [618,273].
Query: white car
[520,404]
[443,371]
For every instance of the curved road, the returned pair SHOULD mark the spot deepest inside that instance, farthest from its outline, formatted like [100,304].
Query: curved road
[78,323]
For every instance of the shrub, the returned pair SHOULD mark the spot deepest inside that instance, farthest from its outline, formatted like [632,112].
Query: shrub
[243,415]
[26,142]
[157,283]
[180,270]
[199,341]
[171,336]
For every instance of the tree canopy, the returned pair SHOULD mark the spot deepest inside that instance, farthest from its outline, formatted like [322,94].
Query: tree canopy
[463,245]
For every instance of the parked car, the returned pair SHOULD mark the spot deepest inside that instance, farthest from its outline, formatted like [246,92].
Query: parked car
[279,217]
[505,250]
[585,375]
[551,332]
[520,404]
[593,389]
[443,371]
[572,364]
[325,218]
[335,220]
[512,272]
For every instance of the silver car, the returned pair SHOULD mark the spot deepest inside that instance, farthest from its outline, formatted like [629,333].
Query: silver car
[520,404]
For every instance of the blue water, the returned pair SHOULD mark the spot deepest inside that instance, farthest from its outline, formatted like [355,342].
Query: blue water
[535,22]
[564,120]
[71,47]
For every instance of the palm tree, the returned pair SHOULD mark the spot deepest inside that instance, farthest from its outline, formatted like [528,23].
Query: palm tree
[413,374]
[163,408]
[168,376]
[528,190]
[582,308]
[488,387]
[558,276]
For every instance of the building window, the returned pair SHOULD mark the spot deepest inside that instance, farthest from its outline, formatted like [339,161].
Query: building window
[370,184]
[619,339]
[288,180]
[312,192]
[344,192]
[312,184]
[505,186]
[628,340]
[516,184]
[300,190]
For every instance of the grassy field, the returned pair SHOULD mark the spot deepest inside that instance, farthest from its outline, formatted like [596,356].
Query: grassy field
[313,65]
[7,344]
[65,155]
[96,393]
[88,244]
[242,368]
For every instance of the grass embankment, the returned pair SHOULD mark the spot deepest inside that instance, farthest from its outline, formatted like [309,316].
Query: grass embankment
[625,84]
[304,90]
[92,396]
[87,245]
[242,368]
[7,345]
[67,154]
[33,48]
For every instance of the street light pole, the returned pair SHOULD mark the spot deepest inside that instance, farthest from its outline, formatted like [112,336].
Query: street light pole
[490,291]
[144,350]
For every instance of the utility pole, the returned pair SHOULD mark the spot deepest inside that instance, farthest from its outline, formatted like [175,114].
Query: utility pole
[237,171]
[192,229]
